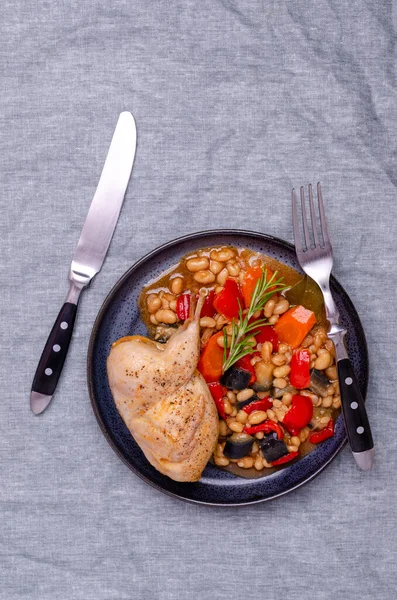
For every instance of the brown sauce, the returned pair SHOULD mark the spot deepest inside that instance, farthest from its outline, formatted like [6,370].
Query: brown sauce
[248,257]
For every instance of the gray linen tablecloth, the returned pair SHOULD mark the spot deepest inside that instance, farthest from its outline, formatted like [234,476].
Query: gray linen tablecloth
[236,101]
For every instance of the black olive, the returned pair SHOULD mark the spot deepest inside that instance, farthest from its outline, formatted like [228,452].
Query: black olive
[238,445]
[272,448]
[235,378]
[319,383]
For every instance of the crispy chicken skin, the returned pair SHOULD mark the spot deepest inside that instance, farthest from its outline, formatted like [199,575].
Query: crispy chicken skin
[164,400]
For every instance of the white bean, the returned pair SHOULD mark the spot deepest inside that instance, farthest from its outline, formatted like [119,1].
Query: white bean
[221,461]
[236,426]
[241,416]
[245,394]
[216,267]
[282,371]
[268,308]
[222,255]
[292,448]
[278,360]
[197,264]
[207,322]
[222,276]
[323,361]
[281,307]
[220,321]
[166,316]
[176,285]
[332,373]
[153,303]
[264,373]
[233,269]
[283,348]
[327,401]
[257,416]
[204,277]
[221,342]
[266,351]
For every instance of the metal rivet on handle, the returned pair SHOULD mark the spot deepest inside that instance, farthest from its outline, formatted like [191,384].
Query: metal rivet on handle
[348,381]
[360,429]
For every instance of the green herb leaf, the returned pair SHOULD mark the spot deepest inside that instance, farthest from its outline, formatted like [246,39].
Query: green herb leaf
[241,342]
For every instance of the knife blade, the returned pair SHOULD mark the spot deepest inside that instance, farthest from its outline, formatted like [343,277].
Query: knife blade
[88,257]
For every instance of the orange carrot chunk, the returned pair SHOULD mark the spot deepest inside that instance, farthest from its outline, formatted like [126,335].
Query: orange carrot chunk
[250,280]
[211,359]
[294,325]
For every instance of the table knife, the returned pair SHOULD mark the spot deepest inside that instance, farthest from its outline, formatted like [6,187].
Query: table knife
[89,256]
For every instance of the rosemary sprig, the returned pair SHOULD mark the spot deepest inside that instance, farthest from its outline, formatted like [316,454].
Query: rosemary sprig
[241,342]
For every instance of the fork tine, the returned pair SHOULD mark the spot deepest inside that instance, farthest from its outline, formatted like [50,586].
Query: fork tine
[295,224]
[304,219]
[323,221]
[313,216]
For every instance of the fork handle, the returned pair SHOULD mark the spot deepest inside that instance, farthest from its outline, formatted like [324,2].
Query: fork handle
[355,415]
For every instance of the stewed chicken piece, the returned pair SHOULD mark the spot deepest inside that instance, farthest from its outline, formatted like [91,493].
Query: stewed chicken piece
[164,400]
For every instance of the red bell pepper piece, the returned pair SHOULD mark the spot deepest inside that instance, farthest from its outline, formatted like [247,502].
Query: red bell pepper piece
[267,333]
[245,364]
[229,300]
[299,376]
[266,427]
[217,392]
[324,434]
[285,459]
[183,307]
[263,404]
[208,309]
[299,415]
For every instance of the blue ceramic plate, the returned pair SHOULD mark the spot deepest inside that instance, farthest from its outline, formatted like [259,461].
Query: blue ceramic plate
[119,316]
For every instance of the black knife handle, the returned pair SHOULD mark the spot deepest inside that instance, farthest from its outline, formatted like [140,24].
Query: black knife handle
[54,354]
[353,408]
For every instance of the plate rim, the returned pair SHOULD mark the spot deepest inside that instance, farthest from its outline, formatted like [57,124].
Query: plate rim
[115,288]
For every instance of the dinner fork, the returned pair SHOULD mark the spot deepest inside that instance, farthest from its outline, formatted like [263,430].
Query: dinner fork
[316,261]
